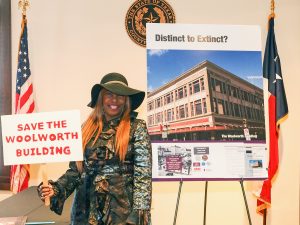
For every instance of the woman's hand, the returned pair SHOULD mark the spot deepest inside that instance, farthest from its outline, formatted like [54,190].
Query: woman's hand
[45,191]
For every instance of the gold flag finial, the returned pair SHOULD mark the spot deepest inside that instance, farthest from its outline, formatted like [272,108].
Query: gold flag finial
[272,14]
[23,4]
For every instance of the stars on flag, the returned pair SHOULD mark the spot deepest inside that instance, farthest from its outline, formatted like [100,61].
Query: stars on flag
[23,71]
[277,77]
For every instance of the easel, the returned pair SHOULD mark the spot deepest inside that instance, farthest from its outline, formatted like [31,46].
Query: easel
[205,201]
[178,199]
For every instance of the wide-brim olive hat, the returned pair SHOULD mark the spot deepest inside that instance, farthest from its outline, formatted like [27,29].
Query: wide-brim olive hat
[117,84]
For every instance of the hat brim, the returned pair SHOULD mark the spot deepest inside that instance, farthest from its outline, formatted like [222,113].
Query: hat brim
[136,96]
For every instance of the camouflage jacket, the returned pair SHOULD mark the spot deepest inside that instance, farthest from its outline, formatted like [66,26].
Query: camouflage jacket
[110,192]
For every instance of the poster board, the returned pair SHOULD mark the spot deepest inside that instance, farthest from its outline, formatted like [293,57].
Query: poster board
[45,137]
[205,102]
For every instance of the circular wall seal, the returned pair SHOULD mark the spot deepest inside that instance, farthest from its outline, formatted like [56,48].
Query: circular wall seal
[146,11]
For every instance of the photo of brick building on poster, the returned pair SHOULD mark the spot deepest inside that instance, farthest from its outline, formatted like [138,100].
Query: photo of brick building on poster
[205,95]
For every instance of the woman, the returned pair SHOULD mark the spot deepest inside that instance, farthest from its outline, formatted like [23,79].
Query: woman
[113,183]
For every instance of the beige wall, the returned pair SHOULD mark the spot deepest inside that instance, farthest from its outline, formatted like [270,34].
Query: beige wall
[73,43]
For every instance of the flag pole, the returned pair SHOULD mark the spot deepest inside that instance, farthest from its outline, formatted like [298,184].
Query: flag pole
[19,174]
[23,4]
[265,217]
[272,15]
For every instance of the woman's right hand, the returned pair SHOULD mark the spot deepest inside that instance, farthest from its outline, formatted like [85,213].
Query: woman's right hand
[45,191]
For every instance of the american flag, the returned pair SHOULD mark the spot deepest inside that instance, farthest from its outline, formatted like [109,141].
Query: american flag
[278,111]
[19,176]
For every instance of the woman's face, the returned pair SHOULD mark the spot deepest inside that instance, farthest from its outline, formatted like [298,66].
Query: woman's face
[113,104]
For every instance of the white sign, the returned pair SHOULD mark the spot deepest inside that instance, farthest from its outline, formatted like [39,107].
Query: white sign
[42,137]
[247,134]
[202,161]
[206,82]
[203,37]
[164,134]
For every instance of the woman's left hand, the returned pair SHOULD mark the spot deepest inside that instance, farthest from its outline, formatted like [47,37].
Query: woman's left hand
[45,191]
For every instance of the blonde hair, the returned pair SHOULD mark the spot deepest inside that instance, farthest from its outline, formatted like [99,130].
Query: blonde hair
[93,126]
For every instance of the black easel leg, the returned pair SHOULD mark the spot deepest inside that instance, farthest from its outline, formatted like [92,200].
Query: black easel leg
[177,204]
[245,199]
[205,203]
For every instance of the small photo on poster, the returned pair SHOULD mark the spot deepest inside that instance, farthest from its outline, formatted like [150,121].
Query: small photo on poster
[256,163]
[173,160]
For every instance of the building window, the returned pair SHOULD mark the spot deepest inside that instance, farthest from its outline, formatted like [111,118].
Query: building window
[220,106]
[234,91]
[229,89]
[250,97]
[192,108]
[180,93]
[181,112]
[215,108]
[255,100]
[226,108]
[158,103]
[184,91]
[150,105]
[173,114]
[198,107]
[262,115]
[168,98]
[202,84]
[169,115]
[258,101]
[255,114]
[258,115]
[150,120]
[218,86]
[242,95]
[248,113]
[157,118]
[196,86]
[224,88]
[231,108]
[204,105]
[190,88]
[243,111]
[236,110]
[186,110]
[261,102]
[213,85]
